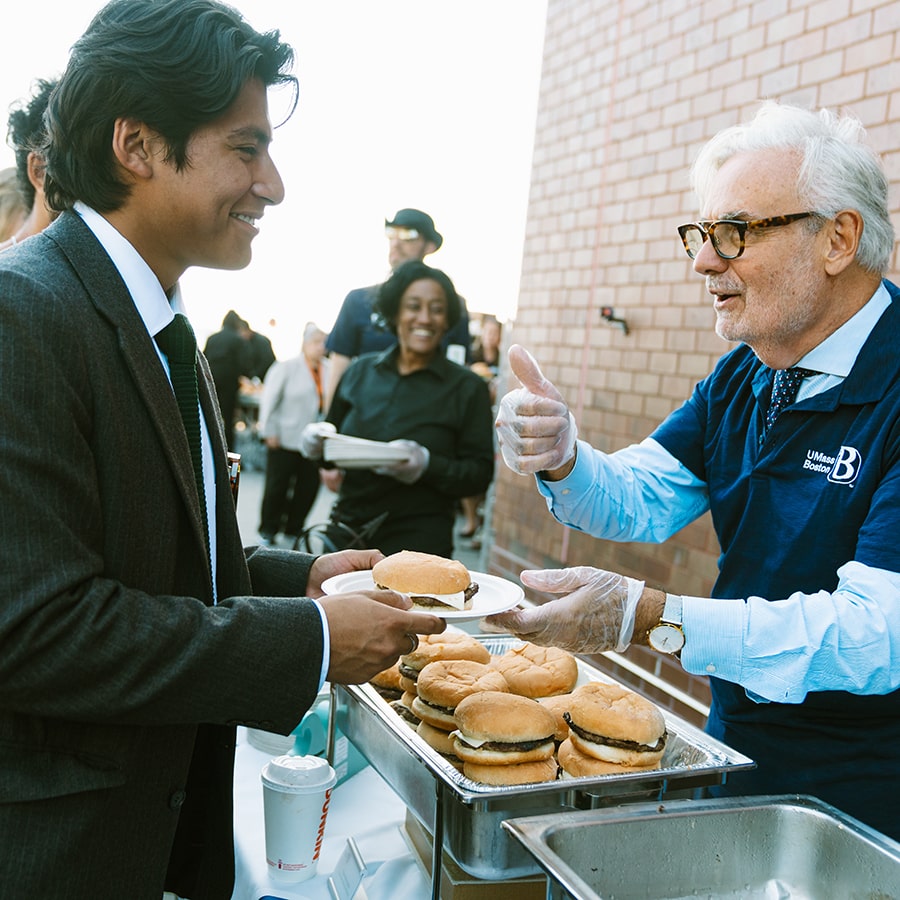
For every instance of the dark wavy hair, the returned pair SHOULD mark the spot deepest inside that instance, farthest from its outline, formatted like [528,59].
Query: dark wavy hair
[175,65]
[25,134]
[387,303]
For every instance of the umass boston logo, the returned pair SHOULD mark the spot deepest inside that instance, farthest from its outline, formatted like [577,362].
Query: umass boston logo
[841,469]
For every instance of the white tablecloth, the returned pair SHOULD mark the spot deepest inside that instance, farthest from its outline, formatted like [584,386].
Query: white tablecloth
[363,807]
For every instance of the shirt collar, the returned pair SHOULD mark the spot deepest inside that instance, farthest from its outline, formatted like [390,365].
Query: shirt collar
[837,354]
[154,307]
[437,364]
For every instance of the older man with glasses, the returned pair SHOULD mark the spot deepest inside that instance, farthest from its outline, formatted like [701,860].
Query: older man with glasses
[792,443]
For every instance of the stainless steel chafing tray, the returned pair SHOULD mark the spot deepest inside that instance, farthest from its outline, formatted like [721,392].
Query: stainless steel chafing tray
[771,846]
[465,815]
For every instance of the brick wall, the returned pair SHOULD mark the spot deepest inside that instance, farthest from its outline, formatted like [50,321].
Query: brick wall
[629,92]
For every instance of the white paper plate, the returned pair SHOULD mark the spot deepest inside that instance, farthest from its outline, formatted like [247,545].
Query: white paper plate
[359,453]
[494,594]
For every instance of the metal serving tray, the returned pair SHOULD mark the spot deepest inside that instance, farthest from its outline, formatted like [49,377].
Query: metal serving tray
[465,815]
[765,847]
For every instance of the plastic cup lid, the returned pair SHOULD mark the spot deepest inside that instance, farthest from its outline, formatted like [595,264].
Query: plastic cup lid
[298,774]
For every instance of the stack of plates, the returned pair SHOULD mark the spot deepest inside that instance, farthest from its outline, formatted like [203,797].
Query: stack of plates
[358,453]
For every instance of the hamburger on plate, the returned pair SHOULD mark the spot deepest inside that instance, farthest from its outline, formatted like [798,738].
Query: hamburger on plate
[504,738]
[534,671]
[613,724]
[448,645]
[443,684]
[432,582]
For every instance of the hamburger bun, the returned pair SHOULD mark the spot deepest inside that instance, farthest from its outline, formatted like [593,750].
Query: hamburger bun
[387,683]
[439,740]
[403,708]
[519,773]
[575,764]
[432,582]
[534,671]
[448,645]
[497,728]
[614,724]
[442,684]
[559,706]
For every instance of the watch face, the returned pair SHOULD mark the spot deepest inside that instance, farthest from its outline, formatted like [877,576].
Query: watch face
[666,638]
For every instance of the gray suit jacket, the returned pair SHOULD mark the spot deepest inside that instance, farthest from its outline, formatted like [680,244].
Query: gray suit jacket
[120,682]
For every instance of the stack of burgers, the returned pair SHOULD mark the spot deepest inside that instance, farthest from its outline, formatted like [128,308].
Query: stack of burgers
[518,717]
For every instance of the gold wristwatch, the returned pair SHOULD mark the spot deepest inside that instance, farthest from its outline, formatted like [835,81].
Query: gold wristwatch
[667,636]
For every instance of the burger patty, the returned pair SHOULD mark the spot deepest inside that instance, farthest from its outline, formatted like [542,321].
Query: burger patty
[407,672]
[615,742]
[420,600]
[447,710]
[514,746]
[405,712]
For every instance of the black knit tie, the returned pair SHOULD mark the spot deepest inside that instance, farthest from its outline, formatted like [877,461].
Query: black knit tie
[177,341]
[784,391]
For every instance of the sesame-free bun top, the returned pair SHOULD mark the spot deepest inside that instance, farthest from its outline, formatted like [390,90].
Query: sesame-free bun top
[615,712]
[410,572]
[389,678]
[534,671]
[504,718]
[446,682]
[448,645]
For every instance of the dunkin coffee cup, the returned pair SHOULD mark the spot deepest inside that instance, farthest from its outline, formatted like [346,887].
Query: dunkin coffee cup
[296,794]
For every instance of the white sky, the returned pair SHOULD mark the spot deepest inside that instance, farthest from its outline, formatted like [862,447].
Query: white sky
[423,103]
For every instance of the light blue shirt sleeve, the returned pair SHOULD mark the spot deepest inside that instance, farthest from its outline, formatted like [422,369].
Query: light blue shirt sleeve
[778,649]
[641,493]
[781,650]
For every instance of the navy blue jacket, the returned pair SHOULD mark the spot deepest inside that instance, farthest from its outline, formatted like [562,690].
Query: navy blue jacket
[822,489]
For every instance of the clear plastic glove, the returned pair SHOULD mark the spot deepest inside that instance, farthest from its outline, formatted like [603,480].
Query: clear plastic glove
[596,615]
[410,470]
[535,429]
[313,437]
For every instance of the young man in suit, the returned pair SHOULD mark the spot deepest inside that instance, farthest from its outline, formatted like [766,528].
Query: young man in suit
[135,632]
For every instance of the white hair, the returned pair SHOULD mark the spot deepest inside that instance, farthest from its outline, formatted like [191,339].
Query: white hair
[838,170]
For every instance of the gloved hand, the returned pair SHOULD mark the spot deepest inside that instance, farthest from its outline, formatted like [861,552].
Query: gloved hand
[597,615]
[535,429]
[410,470]
[313,437]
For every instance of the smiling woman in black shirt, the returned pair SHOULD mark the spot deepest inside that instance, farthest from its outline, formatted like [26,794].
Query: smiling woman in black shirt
[412,394]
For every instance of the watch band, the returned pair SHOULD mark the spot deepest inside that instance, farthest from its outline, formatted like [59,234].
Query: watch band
[672,611]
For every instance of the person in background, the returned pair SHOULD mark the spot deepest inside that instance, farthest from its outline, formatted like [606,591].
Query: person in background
[257,351]
[484,362]
[25,135]
[412,397]
[136,632]
[12,207]
[291,399]
[801,638]
[225,351]
[359,329]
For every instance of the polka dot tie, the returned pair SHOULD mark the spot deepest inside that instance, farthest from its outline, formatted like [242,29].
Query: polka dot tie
[784,390]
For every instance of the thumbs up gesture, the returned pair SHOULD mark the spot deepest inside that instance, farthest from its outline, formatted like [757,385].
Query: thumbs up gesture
[534,426]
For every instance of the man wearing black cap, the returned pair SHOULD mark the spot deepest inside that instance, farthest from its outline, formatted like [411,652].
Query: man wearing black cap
[411,235]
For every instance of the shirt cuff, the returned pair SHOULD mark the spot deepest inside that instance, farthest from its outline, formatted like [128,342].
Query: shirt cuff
[714,637]
[326,645]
